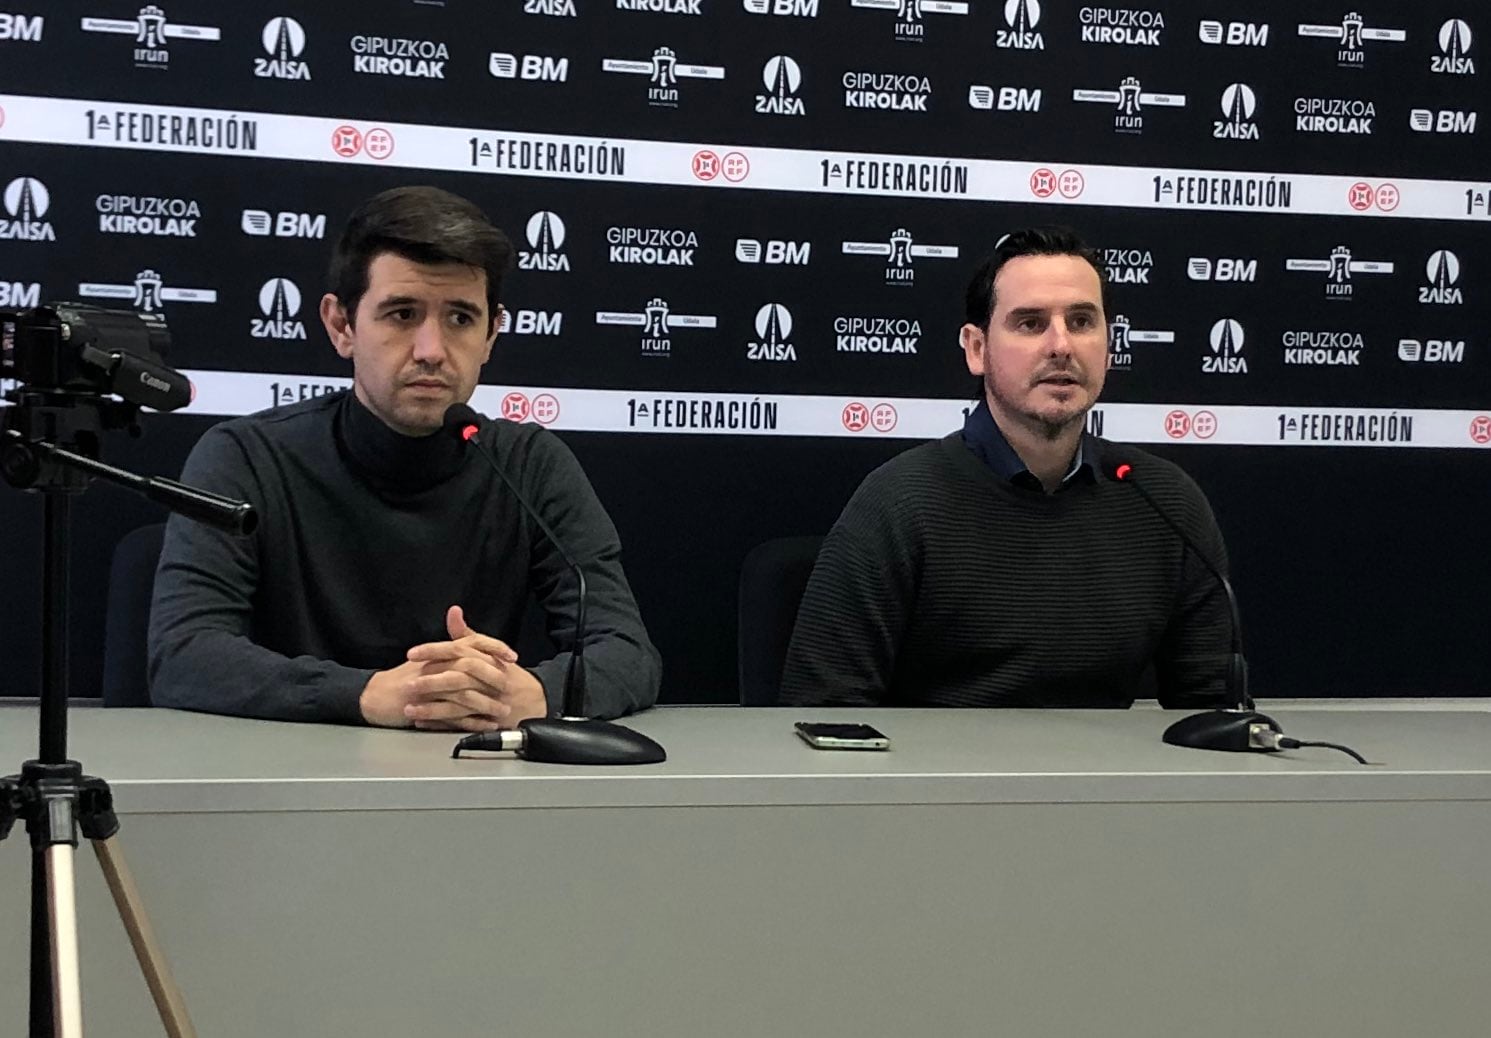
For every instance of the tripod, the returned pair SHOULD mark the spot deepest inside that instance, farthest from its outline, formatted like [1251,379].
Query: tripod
[51,793]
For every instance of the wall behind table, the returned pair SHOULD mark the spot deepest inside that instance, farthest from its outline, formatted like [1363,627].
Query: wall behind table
[1359,567]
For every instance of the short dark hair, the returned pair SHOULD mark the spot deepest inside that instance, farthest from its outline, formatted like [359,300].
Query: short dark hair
[978,304]
[424,225]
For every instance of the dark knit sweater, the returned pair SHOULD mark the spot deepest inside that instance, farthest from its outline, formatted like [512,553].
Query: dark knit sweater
[365,537]
[943,585]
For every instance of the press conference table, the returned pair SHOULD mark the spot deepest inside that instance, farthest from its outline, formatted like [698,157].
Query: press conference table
[1023,873]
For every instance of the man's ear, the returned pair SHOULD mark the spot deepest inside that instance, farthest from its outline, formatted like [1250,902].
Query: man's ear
[971,338]
[338,326]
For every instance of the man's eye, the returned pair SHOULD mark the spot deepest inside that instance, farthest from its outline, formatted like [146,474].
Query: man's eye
[403,313]
[1029,324]
[461,318]
[1082,321]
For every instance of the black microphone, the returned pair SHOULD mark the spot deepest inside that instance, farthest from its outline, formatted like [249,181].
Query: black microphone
[572,738]
[1238,727]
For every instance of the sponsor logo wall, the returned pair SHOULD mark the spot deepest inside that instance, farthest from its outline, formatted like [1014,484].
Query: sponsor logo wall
[758,216]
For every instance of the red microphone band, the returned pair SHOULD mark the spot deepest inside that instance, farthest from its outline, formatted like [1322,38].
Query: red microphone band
[469,431]
[1122,472]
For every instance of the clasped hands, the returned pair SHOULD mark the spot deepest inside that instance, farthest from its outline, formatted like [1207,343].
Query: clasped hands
[471,683]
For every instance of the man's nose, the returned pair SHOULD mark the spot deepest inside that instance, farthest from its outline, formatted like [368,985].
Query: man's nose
[1060,338]
[429,343]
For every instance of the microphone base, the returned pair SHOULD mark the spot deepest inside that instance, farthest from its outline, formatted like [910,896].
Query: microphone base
[1244,731]
[585,741]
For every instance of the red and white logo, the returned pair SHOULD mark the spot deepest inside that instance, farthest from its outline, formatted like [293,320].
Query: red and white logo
[1480,428]
[856,416]
[1177,424]
[1360,196]
[515,407]
[736,167]
[1387,197]
[346,141]
[1043,183]
[1204,425]
[706,165]
[379,143]
[883,417]
[1071,183]
[545,409]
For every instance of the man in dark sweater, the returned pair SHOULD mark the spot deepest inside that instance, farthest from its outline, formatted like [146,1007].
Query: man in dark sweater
[391,566]
[1000,565]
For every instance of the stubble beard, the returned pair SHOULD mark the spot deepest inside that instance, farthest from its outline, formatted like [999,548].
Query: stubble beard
[1048,428]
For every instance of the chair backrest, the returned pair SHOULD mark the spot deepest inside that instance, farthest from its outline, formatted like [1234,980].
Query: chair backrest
[773,577]
[127,621]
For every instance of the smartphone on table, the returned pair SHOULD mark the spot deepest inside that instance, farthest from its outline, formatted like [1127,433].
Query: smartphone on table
[842,736]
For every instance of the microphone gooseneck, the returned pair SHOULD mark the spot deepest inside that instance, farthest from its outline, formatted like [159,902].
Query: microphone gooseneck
[571,738]
[1239,727]
[1237,667]
[462,421]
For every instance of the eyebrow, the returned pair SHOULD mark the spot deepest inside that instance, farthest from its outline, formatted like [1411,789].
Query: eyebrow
[455,304]
[1038,311]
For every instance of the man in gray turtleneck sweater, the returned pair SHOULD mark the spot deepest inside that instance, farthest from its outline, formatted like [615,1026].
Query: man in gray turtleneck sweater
[391,566]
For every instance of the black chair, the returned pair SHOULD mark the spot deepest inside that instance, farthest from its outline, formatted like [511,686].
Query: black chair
[127,621]
[773,577]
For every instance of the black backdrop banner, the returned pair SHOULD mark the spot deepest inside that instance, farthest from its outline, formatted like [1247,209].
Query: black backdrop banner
[749,222]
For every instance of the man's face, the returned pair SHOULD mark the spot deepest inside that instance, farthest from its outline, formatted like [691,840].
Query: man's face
[1044,355]
[418,342]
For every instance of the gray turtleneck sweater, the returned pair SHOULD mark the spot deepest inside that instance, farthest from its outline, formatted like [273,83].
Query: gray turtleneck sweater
[365,537]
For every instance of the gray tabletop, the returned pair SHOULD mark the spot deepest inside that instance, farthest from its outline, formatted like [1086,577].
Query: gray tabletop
[1042,874]
[166,760]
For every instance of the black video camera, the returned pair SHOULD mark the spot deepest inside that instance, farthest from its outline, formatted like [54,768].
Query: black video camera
[87,350]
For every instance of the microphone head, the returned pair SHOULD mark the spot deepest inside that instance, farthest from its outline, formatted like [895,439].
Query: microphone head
[1116,468]
[461,421]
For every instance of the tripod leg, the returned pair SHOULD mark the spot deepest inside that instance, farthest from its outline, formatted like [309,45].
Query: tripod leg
[62,926]
[43,1012]
[168,1001]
